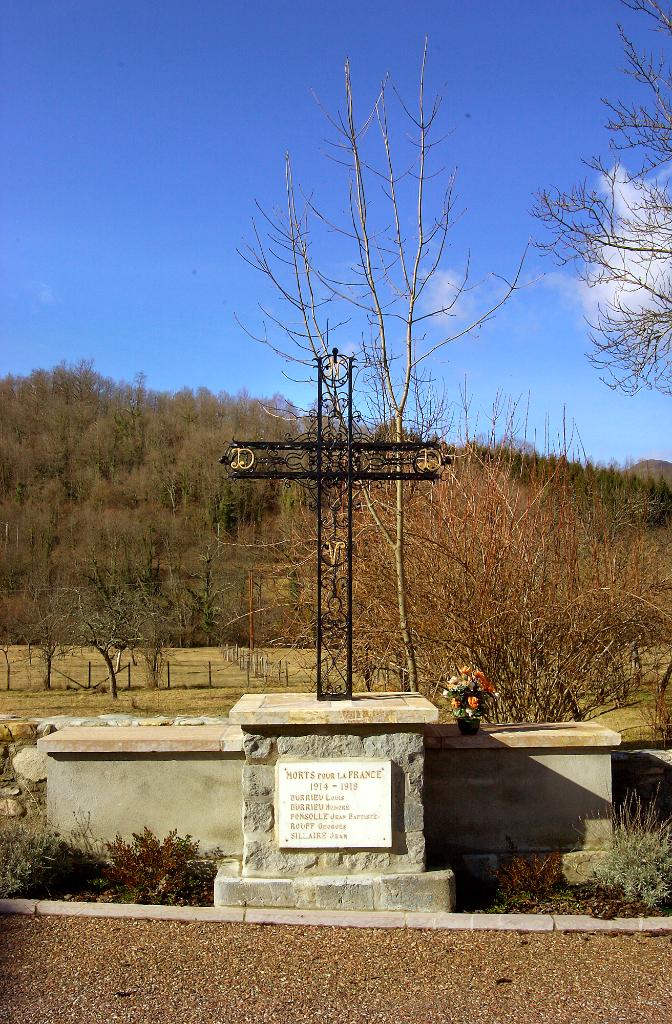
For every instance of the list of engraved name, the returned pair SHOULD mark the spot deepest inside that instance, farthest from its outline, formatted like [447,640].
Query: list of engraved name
[334,804]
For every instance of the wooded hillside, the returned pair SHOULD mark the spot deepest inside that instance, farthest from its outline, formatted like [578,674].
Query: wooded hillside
[118,528]
[114,486]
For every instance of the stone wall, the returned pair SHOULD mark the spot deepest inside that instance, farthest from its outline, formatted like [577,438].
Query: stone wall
[462,795]
[535,789]
[23,770]
[648,773]
[113,781]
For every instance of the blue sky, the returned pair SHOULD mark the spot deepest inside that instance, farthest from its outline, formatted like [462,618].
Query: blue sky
[137,136]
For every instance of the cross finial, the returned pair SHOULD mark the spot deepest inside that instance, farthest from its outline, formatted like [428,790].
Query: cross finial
[334,364]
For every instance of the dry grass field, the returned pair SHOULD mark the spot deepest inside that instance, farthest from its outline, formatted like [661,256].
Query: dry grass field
[202,682]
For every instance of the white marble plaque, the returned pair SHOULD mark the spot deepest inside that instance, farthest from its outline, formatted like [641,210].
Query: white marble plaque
[345,803]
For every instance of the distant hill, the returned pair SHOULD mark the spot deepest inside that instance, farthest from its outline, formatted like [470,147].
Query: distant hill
[653,469]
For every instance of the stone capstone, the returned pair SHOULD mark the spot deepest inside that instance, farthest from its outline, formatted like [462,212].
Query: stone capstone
[31,764]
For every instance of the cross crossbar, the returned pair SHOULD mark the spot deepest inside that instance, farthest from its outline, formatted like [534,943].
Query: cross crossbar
[297,460]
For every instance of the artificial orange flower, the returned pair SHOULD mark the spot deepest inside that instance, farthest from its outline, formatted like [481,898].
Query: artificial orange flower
[484,681]
[473,702]
[454,703]
[466,670]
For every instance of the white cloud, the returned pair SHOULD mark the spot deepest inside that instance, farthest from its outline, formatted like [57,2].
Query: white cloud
[635,223]
[463,304]
[590,296]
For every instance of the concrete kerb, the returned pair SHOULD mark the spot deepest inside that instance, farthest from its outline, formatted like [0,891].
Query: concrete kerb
[344,918]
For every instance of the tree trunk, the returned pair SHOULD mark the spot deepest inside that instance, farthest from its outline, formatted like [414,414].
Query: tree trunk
[663,722]
[46,682]
[112,674]
[400,567]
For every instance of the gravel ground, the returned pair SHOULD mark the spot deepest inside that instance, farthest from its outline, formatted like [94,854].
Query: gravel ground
[95,970]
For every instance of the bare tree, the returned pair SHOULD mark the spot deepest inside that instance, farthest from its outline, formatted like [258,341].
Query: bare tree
[397,298]
[49,622]
[106,617]
[617,227]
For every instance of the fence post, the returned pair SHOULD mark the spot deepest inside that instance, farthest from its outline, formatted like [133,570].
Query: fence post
[248,668]
[168,667]
[128,683]
[209,674]
[88,680]
[286,672]
[9,672]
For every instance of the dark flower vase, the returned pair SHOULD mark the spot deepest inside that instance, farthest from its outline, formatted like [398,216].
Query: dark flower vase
[468,726]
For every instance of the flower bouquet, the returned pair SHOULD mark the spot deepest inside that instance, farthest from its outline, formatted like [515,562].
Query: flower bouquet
[468,693]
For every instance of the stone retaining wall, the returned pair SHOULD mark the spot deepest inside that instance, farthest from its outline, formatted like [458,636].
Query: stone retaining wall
[23,769]
[648,773]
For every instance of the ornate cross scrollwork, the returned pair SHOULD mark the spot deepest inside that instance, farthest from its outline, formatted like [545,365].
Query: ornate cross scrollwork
[329,459]
[242,458]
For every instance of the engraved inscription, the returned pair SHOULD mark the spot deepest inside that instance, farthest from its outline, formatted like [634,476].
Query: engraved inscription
[345,803]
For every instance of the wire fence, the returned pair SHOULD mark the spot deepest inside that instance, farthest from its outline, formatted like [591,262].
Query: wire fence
[226,668]
[229,667]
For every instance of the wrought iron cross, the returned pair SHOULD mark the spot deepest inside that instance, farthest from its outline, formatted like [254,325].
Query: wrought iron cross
[329,459]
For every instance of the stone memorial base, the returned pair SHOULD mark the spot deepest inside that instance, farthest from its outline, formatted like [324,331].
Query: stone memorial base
[427,890]
[333,812]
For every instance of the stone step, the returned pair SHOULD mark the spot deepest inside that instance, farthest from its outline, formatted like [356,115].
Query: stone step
[429,891]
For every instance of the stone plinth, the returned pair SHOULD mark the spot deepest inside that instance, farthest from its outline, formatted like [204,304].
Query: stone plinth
[370,748]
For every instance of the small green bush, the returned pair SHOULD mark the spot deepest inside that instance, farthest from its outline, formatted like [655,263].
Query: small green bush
[148,870]
[639,861]
[31,859]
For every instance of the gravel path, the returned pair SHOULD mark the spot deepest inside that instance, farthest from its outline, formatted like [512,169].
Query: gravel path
[65,970]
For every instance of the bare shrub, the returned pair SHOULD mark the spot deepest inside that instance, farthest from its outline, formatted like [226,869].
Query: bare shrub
[537,876]
[153,659]
[659,709]
[512,572]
